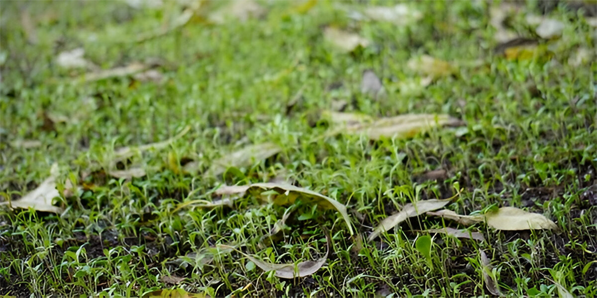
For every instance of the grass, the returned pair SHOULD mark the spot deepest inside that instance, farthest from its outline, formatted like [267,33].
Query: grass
[529,143]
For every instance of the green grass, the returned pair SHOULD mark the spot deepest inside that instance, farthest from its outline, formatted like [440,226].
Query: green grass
[529,143]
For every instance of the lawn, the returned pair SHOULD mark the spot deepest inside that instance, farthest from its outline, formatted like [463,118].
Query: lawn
[378,149]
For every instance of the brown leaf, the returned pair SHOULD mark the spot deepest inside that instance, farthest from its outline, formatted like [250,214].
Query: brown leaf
[171,279]
[490,281]
[40,199]
[409,210]
[287,195]
[458,233]
[290,271]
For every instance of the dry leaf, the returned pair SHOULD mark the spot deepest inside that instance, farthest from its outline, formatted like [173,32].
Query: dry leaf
[290,271]
[461,219]
[244,157]
[127,152]
[430,66]
[458,233]
[128,173]
[151,75]
[226,190]
[240,10]
[550,28]
[116,72]
[175,293]
[403,126]
[26,144]
[172,279]
[287,195]
[371,84]
[344,41]
[400,14]
[409,210]
[72,59]
[490,281]
[505,218]
[347,119]
[40,199]
[514,219]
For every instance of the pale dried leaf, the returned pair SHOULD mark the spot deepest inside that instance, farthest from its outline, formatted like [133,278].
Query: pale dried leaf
[287,195]
[126,152]
[490,282]
[128,173]
[40,199]
[227,190]
[291,271]
[240,10]
[171,279]
[550,28]
[409,210]
[344,41]
[514,219]
[29,26]
[465,220]
[430,66]
[72,59]
[497,16]
[371,84]
[151,75]
[347,119]
[244,157]
[403,126]
[400,14]
[458,233]
[26,144]
[174,293]
[116,72]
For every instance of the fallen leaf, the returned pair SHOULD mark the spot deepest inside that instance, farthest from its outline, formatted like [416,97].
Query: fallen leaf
[347,119]
[458,233]
[461,219]
[26,144]
[240,10]
[403,126]
[291,271]
[514,219]
[505,219]
[435,175]
[174,293]
[400,14]
[72,59]
[151,75]
[40,199]
[371,84]
[344,41]
[490,281]
[287,195]
[550,28]
[409,210]
[226,190]
[128,173]
[430,66]
[127,152]
[116,72]
[171,279]
[244,157]
[204,256]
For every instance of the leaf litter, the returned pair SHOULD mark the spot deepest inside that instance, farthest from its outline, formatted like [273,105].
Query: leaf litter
[344,41]
[242,158]
[490,281]
[505,219]
[466,234]
[40,199]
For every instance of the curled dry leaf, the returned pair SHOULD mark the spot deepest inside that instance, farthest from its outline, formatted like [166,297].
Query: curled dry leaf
[287,195]
[371,84]
[409,210]
[505,218]
[400,14]
[127,152]
[458,233]
[174,293]
[116,72]
[128,173]
[403,126]
[244,157]
[40,199]
[430,66]
[72,59]
[227,190]
[291,271]
[344,41]
[241,10]
[490,281]
[171,279]
[549,28]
